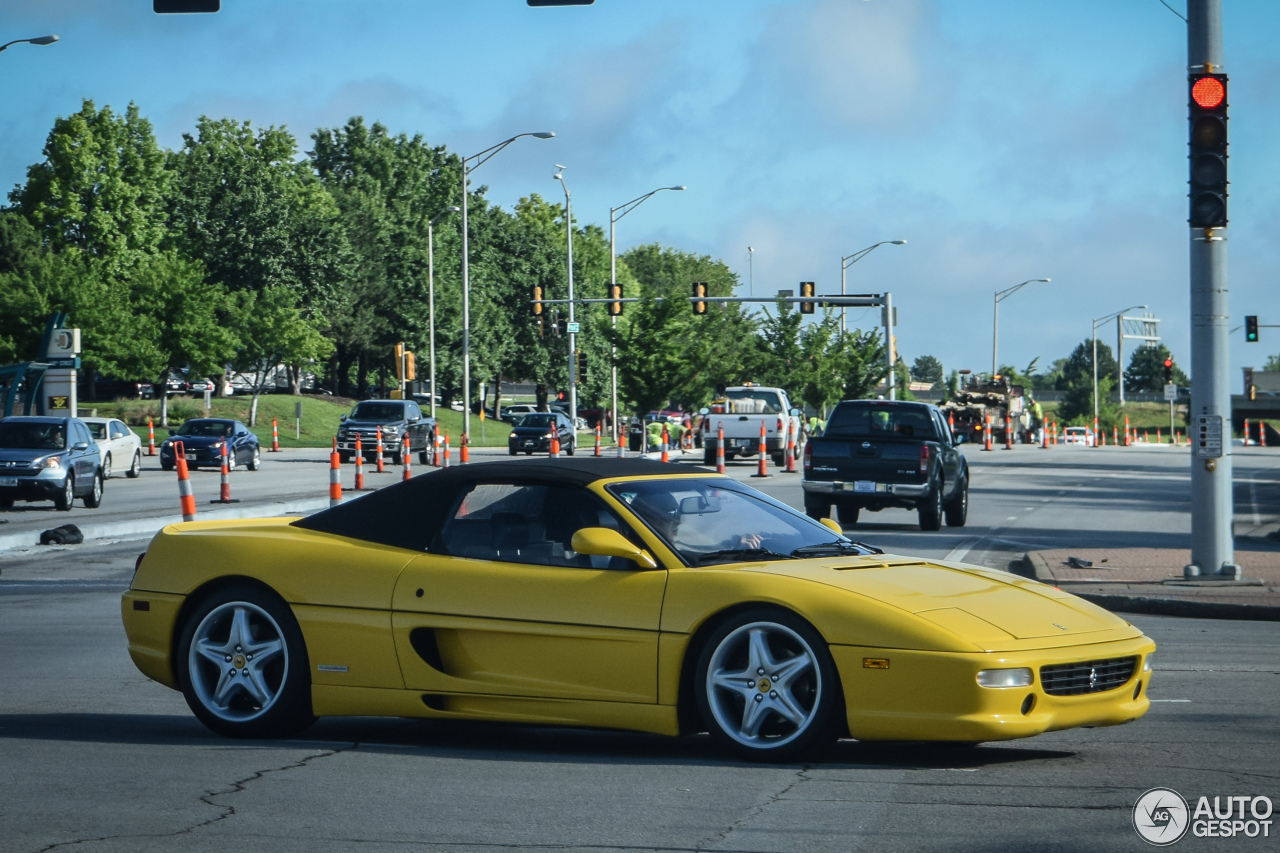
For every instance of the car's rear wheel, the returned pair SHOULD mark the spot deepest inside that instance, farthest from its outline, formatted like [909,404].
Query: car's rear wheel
[63,501]
[957,511]
[708,455]
[930,509]
[848,513]
[767,688]
[135,468]
[106,467]
[166,466]
[511,450]
[242,665]
[93,500]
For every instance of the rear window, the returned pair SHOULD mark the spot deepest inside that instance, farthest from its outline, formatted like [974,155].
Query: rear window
[868,420]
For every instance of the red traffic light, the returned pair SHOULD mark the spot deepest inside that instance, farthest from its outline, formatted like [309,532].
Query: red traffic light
[1208,92]
[1168,362]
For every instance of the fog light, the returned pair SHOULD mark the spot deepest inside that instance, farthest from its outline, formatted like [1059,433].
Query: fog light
[1028,704]
[1146,665]
[1020,677]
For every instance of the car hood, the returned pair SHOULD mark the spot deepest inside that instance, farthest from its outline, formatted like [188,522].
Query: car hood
[24,455]
[994,610]
[197,440]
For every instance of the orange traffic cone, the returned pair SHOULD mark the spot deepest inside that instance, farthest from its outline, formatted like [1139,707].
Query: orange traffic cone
[275,436]
[224,493]
[762,470]
[464,452]
[186,498]
[381,466]
[359,466]
[666,440]
[405,459]
[335,476]
[791,450]
[597,453]
[151,437]
[720,448]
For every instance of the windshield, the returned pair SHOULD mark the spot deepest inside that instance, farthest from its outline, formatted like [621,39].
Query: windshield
[33,435]
[721,521]
[212,429]
[747,401]
[540,419]
[869,420]
[378,412]
[96,430]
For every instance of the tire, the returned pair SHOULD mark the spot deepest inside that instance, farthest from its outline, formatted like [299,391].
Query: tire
[708,455]
[345,456]
[93,500]
[255,461]
[778,459]
[232,460]
[267,698]
[166,466]
[957,510]
[573,445]
[773,661]
[6,503]
[848,514]
[397,459]
[929,510]
[816,507]
[511,450]
[136,467]
[63,501]
[106,467]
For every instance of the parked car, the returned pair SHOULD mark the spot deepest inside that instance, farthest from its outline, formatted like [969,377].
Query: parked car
[199,386]
[886,453]
[49,459]
[532,434]
[397,418]
[202,440]
[120,446]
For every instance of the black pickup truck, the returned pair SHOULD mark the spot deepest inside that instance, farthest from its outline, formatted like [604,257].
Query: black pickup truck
[882,453]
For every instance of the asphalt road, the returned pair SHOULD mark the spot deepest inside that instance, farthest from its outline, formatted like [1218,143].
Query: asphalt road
[97,758]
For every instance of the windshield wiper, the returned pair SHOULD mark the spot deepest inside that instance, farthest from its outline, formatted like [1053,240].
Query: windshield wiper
[740,552]
[833,548]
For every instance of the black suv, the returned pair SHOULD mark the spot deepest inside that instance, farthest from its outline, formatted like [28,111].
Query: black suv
[396,417]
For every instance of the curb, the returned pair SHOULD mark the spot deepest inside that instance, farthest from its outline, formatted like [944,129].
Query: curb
[141,528]
[1159,606]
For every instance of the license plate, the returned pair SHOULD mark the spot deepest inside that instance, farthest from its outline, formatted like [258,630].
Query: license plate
[191,457]
[9,481]
[741,442]
[864,486]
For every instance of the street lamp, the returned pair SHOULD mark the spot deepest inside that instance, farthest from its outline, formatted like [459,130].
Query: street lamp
[616,213]
[431,294]
[468,167]
[1002,295]
[849,260]
[37,40]
[1096,323]
[573,336]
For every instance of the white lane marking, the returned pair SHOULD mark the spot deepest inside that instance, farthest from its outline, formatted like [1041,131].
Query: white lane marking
[958,553]
[1170,700]
[1012,518]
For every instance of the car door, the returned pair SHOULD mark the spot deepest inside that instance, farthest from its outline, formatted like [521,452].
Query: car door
[121,445]
[87,459]
[502,606]
[950,457]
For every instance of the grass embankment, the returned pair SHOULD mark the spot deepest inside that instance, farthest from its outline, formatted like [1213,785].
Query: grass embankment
[1142,416]
[320,418]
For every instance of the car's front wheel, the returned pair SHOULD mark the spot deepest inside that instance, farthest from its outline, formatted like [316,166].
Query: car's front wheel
[63,501]
[767,688]
[242,665]
[135,468]
[255,461]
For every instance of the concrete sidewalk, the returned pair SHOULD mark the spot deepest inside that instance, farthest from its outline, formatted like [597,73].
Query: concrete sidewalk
[1149,580]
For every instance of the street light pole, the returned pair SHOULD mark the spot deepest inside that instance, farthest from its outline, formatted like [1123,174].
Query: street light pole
[431,295]
[614,216]
[573,336]
[1096,323]
[849,260]
[37,40]
[1002,295]
[467,167]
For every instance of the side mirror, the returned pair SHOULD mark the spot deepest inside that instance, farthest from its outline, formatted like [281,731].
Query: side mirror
[795,413]
[414,419]
[831,523]
[341,418]
[704,411]
[610,543]
[171,431]
[80,445]
[958,437]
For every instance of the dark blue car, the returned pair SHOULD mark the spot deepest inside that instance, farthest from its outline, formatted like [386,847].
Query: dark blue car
[532,434]
[49,459]
[203,440]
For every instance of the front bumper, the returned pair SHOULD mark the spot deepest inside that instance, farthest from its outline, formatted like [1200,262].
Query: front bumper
[195,455]
[865,488]
[934,696]
[44,485]
[525,445]
[369,446]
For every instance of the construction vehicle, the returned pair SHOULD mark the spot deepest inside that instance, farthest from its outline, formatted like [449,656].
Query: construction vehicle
[969,407]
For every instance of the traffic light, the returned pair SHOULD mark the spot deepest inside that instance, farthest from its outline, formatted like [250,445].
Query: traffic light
[807,289]
[562,327]
[699,292]
[184,7]
[1251,329]
[1208,120]
[410,367]
[399,352]
[1168,371]
[536,305]
[582,366]
[615,293]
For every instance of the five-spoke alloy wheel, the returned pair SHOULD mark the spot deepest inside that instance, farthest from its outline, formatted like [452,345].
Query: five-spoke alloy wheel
[243,665]
[766,686]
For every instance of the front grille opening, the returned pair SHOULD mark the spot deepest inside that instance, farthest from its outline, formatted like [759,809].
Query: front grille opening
[1093,676]
[1137,690]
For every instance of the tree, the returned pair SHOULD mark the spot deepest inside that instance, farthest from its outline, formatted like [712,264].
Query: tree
[1077,381]
[1146,369]
[274,331]
[1078,368]
[100,188]
[926,368]
[1272,363]
[862,358]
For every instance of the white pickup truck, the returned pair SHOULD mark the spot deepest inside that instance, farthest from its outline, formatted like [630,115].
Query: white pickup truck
[741,410]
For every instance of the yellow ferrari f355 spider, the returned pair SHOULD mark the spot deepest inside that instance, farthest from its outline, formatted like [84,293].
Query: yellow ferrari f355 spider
[615,593]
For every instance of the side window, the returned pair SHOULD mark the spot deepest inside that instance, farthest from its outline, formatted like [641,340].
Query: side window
[532,524]
[118,430]
[81,434]
[413,410]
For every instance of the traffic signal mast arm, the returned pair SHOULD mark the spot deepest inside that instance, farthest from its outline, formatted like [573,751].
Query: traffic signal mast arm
[856,300]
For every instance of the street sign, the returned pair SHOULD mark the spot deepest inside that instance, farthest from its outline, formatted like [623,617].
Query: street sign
[1171,392]
[1208,436]
[573,328]
[73,363]
[297,411]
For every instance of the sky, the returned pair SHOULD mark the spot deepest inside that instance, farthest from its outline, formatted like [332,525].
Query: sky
[1004,140]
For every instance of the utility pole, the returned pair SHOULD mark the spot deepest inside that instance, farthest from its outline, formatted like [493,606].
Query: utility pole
[889,355]
[1212,547]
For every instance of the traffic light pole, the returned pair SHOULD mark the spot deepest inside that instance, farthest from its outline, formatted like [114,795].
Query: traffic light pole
[1212,548]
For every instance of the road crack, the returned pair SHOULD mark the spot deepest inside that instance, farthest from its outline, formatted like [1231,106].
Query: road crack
[802,775]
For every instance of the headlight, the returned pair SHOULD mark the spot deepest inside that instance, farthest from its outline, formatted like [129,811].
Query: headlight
[1146,664]
[1020,677]
[217,445]
[48,462]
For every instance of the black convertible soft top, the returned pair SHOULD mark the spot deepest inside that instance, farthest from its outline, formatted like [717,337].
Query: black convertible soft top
[408,514]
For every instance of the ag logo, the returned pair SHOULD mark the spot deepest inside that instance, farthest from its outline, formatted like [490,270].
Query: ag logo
[1161,816]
